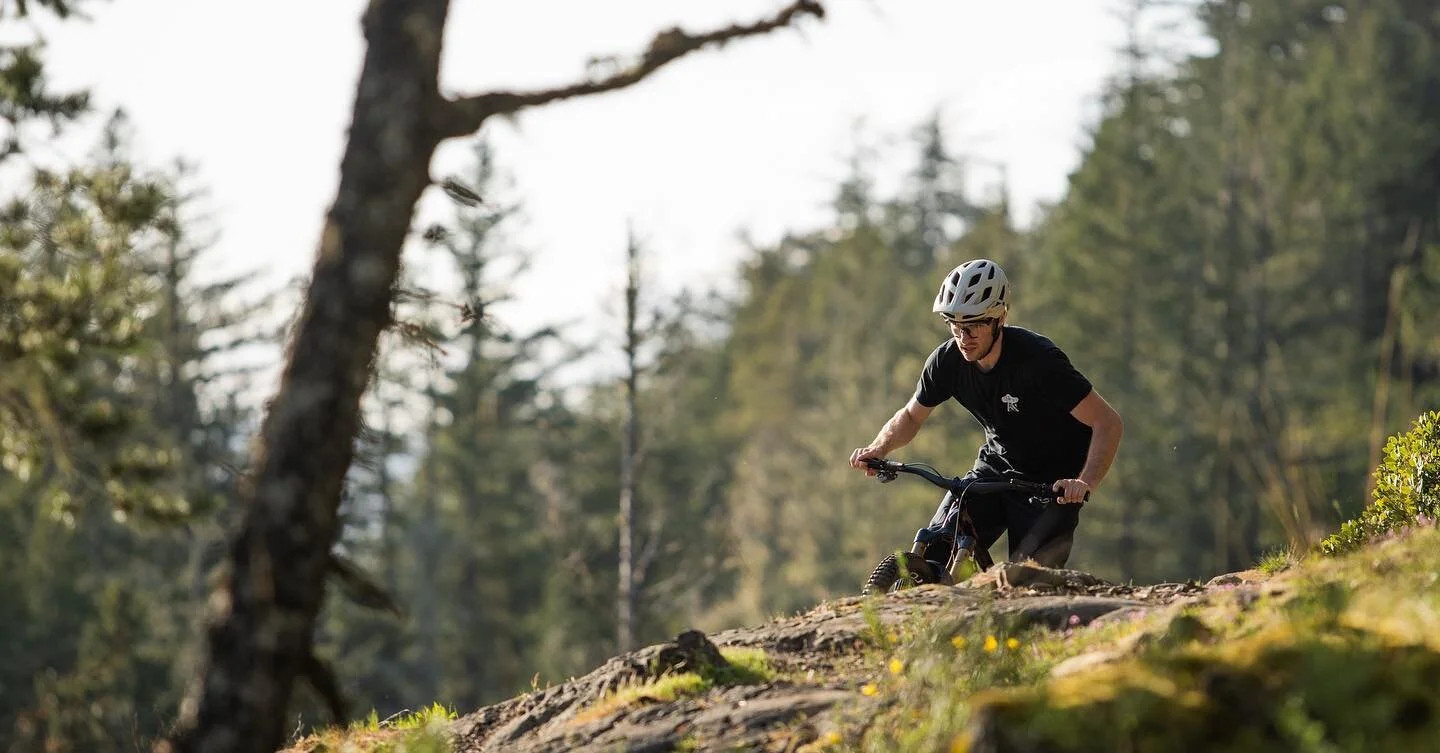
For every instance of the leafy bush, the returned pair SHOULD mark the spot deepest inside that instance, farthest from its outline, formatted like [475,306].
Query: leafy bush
[1407,488]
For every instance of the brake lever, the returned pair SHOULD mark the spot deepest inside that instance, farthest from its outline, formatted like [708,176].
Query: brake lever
[1037,499]
[883,470]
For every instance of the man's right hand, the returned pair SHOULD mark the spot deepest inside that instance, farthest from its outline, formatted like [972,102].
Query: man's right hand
[860,455]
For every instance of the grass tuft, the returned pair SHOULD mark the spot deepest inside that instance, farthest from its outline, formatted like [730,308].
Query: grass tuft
[1276,561]
[419,731]
[746,666]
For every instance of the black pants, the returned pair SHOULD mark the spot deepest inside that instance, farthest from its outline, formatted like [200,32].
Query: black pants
[1044,533]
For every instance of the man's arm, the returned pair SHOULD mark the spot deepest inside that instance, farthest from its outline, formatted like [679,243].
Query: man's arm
[896,433]
[1106,428]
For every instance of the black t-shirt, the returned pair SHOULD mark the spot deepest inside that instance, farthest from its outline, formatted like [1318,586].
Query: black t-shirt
[1023,404]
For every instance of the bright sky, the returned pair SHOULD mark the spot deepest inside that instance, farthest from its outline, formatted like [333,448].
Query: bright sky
[750,137]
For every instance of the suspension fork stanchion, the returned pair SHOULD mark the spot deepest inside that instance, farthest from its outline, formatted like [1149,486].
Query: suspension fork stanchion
[964,550]
[964,547]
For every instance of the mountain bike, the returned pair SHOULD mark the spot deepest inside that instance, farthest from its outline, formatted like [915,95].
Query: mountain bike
[947,552]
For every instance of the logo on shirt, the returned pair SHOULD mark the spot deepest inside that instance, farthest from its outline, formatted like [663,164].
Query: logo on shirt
[1012,403]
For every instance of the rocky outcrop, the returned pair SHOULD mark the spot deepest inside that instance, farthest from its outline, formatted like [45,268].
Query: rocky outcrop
[820,655]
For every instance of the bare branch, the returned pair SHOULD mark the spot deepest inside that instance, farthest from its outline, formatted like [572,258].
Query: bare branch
[463,116]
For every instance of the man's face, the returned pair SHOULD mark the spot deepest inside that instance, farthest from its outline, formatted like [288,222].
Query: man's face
[974,338]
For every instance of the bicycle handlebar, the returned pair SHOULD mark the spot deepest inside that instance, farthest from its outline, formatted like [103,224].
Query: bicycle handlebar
[889,470]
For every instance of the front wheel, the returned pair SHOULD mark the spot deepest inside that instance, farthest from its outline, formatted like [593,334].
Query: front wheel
[899,571]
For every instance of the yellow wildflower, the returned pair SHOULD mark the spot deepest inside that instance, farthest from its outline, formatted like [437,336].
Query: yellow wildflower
[1012,644]
[896,666]
[990,643]
[958,641]
[832,738]
[869,689]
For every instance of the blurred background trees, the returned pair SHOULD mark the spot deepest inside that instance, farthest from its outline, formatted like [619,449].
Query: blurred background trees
[1245,263]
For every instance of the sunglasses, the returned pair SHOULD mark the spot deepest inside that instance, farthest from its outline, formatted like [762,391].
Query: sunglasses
[970,329]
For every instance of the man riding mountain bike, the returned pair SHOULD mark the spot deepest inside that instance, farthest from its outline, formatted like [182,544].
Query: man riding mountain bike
[1043,419]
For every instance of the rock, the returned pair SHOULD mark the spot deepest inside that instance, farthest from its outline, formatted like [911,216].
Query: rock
[1181,629]
[1124,614]
[1184,628]
[1060,612]
[1236,578]
[690,652]
[1085,661]
[819,652]
[1022,575]
[1168,592]
[740,718]
[842,627]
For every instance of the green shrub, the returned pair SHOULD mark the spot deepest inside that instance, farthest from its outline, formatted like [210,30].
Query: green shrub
[1407,488]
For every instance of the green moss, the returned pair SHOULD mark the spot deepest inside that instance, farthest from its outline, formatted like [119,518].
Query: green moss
[1350,694]
[1335,654]
[417,732]
[664,689]
[745,666]
[423,740]
[1335,659]
[425,717]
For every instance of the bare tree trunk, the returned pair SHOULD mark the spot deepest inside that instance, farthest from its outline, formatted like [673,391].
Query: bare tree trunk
[263,614]
[1135,57]
[1232,326]
[625,598]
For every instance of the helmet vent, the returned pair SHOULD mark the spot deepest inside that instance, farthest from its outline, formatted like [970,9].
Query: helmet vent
[972,290]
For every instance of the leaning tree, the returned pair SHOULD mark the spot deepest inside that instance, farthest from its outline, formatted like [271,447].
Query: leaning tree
[263,612]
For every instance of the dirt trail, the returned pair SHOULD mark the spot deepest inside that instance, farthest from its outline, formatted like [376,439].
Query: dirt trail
[820,653]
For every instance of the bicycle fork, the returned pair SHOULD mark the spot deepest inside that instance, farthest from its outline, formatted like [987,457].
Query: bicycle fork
[961,550]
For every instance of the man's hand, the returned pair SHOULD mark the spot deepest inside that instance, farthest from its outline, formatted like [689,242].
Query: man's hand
[860,455]
[1071,490]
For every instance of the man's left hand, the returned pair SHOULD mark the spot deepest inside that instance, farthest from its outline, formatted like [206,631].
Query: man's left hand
[1072,490]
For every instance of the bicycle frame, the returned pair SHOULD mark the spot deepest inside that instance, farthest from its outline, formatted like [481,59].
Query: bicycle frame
[956,523]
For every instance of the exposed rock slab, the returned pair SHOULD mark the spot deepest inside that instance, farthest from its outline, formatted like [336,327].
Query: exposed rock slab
[819,653]
[1061,612]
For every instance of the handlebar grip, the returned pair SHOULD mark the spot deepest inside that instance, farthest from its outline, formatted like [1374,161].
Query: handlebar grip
[1049,493]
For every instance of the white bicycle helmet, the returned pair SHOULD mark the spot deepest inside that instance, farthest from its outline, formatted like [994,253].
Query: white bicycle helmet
[973,291]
